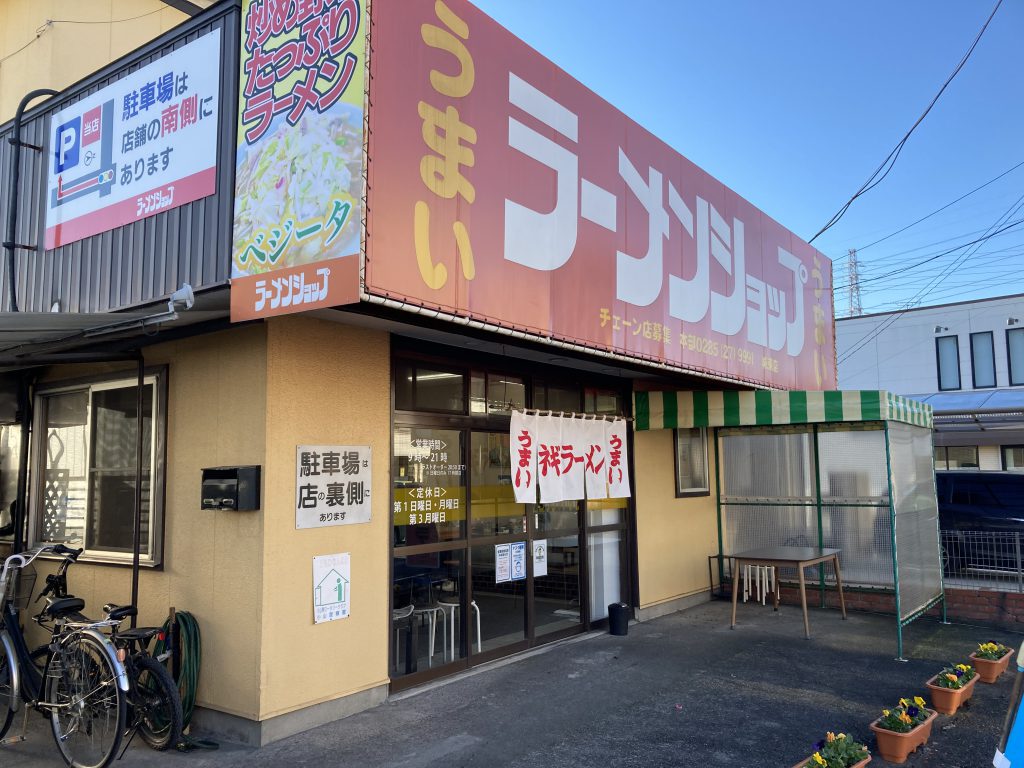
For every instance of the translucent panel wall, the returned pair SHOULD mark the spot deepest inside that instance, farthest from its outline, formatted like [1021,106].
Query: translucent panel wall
[855,501]
[767,463]
[917,532]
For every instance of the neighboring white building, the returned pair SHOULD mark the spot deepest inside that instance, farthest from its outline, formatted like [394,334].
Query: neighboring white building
[965,359]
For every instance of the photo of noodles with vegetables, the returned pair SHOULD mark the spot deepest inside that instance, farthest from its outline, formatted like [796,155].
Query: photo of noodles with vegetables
[292,180]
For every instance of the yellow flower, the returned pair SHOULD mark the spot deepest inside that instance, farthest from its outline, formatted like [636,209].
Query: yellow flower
[919,701]
[841,736]
[819,759]
[905,718]
[903,702]
[962,667]
[885,713]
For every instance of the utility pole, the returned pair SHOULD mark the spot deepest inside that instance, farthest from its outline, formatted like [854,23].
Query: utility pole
[853,282]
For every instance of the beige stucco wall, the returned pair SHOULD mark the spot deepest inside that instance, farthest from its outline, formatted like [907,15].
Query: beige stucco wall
[54,43]
[327,384]
[216,416]
[674,535]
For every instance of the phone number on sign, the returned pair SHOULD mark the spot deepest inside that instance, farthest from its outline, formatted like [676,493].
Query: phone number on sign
[155,201]
[712,348]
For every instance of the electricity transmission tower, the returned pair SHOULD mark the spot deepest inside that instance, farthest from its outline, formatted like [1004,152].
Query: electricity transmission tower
[853,282]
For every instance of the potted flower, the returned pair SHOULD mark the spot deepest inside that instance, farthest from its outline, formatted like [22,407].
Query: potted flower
[953,686]
[991,660]
[837,751]
[903,729]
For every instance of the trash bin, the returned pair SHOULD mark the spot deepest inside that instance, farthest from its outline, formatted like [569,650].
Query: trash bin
[618,619]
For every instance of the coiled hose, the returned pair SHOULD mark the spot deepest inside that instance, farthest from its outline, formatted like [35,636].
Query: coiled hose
[190,648]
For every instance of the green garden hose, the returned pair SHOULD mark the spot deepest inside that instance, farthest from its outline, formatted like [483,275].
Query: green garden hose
[190,648]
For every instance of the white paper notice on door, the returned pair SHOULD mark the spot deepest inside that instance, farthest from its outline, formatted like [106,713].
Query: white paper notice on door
[540,558]
[502,563]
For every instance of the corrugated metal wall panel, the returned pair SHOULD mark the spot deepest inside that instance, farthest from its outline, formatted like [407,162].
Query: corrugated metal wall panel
[148,259]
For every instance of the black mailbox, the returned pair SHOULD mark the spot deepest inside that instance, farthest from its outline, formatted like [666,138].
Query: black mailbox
[231,488]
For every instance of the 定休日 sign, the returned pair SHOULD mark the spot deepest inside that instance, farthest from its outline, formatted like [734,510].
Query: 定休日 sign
[332,485]
[142,145]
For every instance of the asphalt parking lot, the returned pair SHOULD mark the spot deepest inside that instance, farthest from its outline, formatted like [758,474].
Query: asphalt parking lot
[680,690]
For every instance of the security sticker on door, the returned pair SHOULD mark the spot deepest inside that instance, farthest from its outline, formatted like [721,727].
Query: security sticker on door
[332,485]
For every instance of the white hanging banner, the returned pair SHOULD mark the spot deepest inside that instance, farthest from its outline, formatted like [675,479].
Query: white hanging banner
[595,458]
[523,449]
[618,461]
[572,457]
[549,461]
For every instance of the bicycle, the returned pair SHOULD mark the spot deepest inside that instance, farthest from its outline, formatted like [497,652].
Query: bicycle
[154,702]
[82,687]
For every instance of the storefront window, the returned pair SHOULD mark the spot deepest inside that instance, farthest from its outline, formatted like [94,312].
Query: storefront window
[554,398]
[494,508]
[429,486]
[428,388]
[602,401]
[427,604]
[86,464]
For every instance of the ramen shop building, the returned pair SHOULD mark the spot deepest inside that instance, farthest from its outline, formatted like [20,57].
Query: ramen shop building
[392,436]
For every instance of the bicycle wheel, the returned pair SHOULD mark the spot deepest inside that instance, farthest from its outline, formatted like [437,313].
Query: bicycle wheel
[6,692]
[155,703]
[87,709]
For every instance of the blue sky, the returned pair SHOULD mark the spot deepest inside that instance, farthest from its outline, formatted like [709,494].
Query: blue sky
[794,104]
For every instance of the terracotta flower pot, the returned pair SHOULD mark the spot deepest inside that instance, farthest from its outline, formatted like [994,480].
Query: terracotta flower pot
[948,700]
[861,764]
[895,747]
[989,670]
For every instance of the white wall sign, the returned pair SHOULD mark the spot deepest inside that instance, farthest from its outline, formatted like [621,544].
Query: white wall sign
[332,485]
[331,587]
[142,145]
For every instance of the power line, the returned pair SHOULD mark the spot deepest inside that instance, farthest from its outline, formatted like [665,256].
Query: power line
[940,210]
[909,267]
[887,164]
[920,295]
[50,22]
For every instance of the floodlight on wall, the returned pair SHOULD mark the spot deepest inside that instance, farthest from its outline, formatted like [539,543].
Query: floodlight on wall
[181,297]
[1012,321]
[941,329]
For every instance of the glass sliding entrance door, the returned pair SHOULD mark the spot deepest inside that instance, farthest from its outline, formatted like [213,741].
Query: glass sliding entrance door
[555,542]
[497,527]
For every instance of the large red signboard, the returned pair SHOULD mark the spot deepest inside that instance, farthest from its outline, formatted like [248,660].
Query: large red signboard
[501,189]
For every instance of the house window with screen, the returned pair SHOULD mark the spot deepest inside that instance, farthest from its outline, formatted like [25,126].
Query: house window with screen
[956,457]
[692,462]
[84,468]
[947,355]
[1013,458]
[983,360]
[1015,355]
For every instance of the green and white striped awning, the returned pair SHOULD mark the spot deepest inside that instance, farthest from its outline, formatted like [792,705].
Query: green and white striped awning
[666,410]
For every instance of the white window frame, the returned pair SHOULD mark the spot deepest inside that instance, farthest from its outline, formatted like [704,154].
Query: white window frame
[151,550]
[677,437]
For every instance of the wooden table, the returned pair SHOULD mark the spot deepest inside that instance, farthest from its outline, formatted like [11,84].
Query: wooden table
[786,557]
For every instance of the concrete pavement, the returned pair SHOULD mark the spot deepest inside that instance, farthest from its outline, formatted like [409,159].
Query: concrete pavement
[680,690]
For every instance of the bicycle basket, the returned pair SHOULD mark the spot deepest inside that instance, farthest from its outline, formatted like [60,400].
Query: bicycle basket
[19,587]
